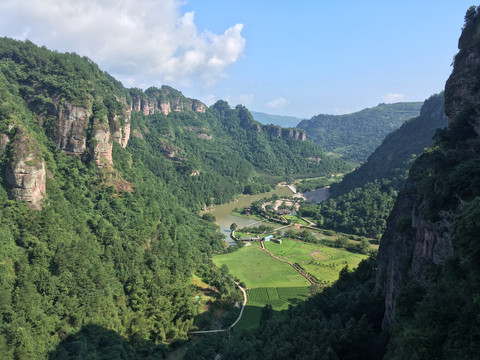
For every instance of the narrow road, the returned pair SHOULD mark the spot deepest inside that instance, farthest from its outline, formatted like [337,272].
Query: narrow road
[236,321]
[243,304]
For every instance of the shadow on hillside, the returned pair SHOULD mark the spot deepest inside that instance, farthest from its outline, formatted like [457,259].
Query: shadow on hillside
[96,342]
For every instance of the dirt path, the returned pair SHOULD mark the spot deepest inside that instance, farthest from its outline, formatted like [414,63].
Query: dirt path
[300,271]
[236,321]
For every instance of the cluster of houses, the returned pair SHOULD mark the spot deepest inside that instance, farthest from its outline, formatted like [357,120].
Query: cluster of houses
[262,238]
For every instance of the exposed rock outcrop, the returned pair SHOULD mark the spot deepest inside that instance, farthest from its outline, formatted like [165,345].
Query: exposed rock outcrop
[273,130]
[293,133]
[172,152]
[164,100]
[461,90]
[288,133]
[25,172]
[102,145]
[70,132]
[120,132]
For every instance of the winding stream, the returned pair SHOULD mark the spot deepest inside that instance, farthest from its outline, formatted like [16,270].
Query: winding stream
[224,216]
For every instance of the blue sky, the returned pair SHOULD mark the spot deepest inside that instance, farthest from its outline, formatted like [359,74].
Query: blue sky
[297,58]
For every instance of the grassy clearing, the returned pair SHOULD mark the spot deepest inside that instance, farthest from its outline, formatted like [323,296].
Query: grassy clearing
[295,219]
[257,269]
[319,260]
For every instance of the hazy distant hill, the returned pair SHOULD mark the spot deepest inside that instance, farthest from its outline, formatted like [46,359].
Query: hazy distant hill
[355,136]
[283,121]
[363,200]
[394,157]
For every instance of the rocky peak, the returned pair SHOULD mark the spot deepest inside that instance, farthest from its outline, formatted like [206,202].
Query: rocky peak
[293,133]
[164,100]
[461,95]
[288,133]
[25,172]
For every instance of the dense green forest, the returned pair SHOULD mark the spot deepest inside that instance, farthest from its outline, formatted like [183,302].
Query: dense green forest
[355,136]
[100,186]
[361,202]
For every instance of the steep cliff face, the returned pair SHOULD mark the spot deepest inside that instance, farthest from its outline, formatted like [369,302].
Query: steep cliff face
[294,134]
[461,89]
[102,145]
[164,100]
[70,132]
[25,172]
[415,242]
[418,239]
[289,133]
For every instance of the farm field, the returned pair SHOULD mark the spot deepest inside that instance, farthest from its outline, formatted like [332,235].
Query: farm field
[295,219]
[269,281]
[257,269]
[319,260]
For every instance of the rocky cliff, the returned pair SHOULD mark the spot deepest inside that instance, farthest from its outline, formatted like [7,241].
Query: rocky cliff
[418,239]
[25,171]
[461,88]
[288,133]
[72,132]
[164,100]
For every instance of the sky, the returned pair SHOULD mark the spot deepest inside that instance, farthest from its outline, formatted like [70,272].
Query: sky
[297,58]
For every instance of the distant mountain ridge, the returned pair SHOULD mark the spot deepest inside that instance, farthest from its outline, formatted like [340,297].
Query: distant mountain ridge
[394,157]
[361,203]
[355,136]
[281,120]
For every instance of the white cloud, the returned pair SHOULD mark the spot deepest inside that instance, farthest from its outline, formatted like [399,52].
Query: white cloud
[244,99]
[393,98]
[141,43]
[279,103]
[209,99]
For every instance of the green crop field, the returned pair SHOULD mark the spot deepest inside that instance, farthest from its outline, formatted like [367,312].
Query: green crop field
[319,260]
[269,281]
[295,219]
[258,269]
[278,284]
[279,297]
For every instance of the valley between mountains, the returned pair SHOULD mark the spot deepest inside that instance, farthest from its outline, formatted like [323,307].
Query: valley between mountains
[132,220]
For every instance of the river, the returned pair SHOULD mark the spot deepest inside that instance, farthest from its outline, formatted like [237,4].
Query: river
[225,218]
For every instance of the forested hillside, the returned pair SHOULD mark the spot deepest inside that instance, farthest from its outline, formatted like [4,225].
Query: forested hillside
[355,136]
[361,202]
[99,187]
